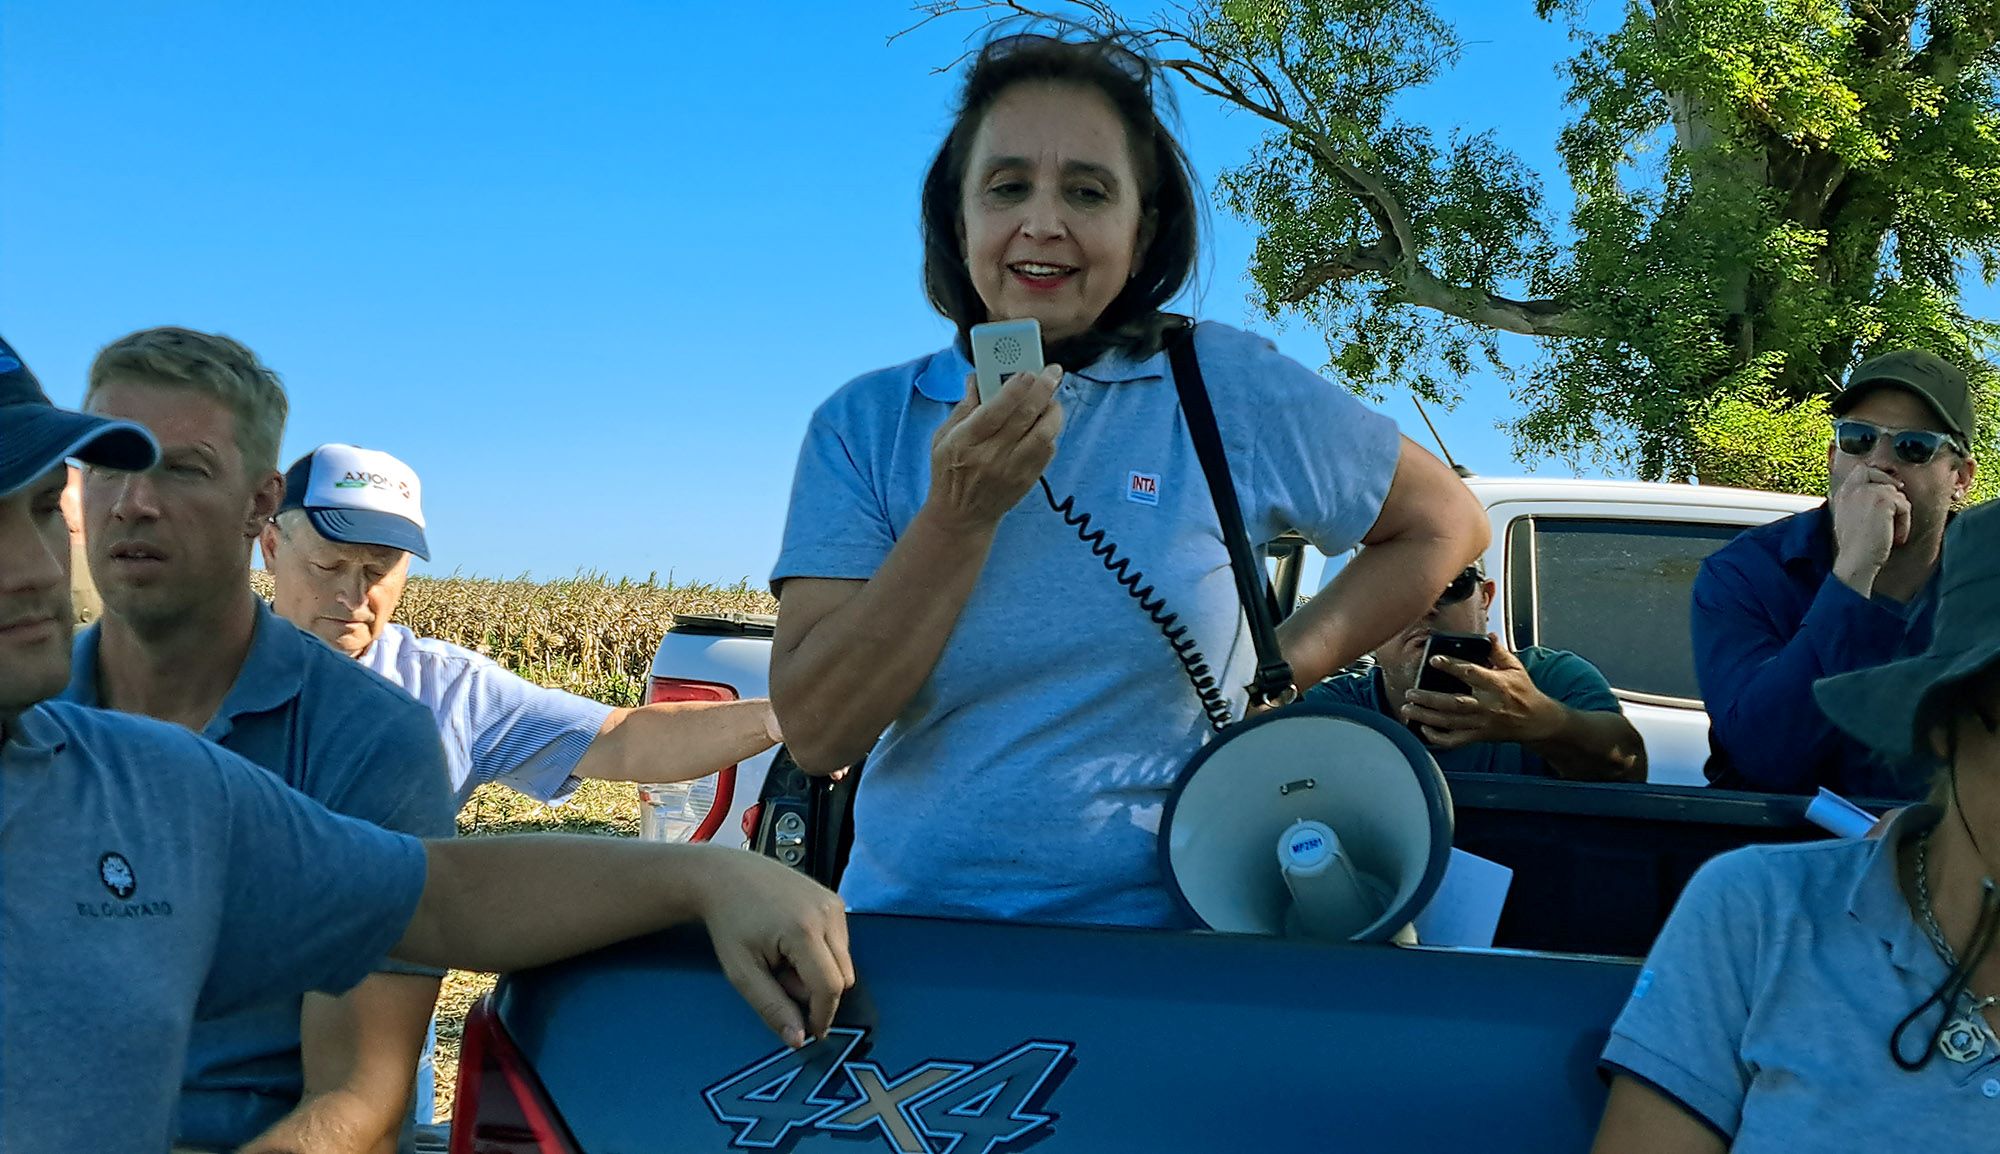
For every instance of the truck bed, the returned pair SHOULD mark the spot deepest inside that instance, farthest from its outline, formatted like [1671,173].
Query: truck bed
[973,1037]
[1080,1040]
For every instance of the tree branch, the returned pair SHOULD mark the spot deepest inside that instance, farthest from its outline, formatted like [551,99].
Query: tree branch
[1420,287]
[1952,48]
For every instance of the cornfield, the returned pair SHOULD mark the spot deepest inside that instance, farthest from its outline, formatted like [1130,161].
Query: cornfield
[588,635]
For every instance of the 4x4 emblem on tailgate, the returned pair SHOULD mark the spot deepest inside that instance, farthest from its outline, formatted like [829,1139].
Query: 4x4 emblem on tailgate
[937,1107]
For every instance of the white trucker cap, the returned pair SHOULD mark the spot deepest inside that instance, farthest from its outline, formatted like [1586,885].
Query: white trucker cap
[359,496]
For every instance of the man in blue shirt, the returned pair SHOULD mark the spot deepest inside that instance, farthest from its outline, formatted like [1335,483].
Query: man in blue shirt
[149,877]
[339,554]
[1835,589]
[184,639]
[1539,713]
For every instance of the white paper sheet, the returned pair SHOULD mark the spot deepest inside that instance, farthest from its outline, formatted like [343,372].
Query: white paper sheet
[1466,909]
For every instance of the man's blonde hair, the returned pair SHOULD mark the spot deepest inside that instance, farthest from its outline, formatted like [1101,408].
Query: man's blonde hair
[210,364]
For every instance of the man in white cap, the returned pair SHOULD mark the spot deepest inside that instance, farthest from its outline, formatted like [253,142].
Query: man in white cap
[339,553]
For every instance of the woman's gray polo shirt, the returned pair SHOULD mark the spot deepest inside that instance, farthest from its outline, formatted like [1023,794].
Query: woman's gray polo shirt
[1767,1004]
[1027,778]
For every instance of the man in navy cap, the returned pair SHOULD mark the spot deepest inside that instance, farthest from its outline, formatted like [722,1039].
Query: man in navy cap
[149,877]
[1843,587]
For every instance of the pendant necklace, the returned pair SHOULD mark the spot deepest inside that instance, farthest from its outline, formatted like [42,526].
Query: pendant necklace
[1965,1036]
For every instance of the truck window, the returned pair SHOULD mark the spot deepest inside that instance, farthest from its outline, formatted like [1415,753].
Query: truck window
[1615,592]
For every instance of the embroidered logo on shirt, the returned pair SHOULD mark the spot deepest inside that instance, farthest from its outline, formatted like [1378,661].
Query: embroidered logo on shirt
[116,874]
[1143,488]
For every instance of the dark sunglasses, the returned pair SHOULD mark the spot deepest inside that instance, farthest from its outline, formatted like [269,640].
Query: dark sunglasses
[1123,59]
[1913,446]
[1460,588]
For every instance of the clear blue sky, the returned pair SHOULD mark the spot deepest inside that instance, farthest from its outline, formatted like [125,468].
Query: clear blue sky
[587,267]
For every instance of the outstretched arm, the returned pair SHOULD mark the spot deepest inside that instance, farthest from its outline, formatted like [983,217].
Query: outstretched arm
[678,740]
[510,903]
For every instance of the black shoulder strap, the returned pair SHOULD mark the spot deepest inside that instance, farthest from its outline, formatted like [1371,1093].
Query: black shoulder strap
[1274,675]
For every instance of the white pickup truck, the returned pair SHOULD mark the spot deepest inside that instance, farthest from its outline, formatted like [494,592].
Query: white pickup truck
[1600,568]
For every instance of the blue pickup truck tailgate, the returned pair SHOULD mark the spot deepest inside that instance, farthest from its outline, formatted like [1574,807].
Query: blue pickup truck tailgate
[972,1038]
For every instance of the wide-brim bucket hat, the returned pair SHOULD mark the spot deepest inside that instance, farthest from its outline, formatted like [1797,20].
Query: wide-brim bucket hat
[1891,708]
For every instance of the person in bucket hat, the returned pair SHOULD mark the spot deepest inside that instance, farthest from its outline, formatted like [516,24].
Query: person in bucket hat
[1841,994]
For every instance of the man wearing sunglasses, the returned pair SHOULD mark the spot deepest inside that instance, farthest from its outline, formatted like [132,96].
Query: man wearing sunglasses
[1539,713]
[1843,587]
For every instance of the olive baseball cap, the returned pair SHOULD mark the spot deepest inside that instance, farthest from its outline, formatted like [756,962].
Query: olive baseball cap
[1941,385]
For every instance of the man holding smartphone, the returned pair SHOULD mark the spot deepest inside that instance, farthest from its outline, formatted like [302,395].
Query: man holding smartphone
[1835,589]
[1538,713]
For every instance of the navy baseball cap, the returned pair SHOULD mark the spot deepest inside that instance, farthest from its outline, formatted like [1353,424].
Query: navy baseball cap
[360,497]
[35,436]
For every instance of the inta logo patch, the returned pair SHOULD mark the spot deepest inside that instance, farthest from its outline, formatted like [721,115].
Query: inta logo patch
[1143,488]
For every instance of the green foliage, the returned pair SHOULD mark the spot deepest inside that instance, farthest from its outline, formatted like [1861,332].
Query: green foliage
[1766,192]
[1821,190]
[1753,440]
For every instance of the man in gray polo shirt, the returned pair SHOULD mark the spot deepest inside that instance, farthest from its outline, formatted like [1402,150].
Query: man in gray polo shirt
[184,639]
[149,877]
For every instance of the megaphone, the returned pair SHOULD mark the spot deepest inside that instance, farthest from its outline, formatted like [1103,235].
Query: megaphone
[1353,803]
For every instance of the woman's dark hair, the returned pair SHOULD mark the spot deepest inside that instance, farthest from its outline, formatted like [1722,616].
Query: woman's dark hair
[1168,209]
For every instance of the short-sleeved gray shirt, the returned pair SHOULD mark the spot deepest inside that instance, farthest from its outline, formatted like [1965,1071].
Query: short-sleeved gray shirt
[147,876]
[351,741]
[1027,778]
[1767,1005]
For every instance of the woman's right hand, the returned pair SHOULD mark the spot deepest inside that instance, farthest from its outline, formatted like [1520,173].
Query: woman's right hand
[985,457]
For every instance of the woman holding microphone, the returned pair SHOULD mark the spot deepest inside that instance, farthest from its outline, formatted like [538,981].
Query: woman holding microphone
[941,611]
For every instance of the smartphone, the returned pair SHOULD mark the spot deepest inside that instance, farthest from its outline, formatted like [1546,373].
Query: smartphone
[1002,348]
[1475,648]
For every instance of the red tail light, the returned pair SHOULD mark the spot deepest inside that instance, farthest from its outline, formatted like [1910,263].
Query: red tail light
[501,1107]
[661,689]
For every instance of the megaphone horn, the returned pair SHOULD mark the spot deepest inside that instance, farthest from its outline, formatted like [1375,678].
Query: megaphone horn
[1354,805]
